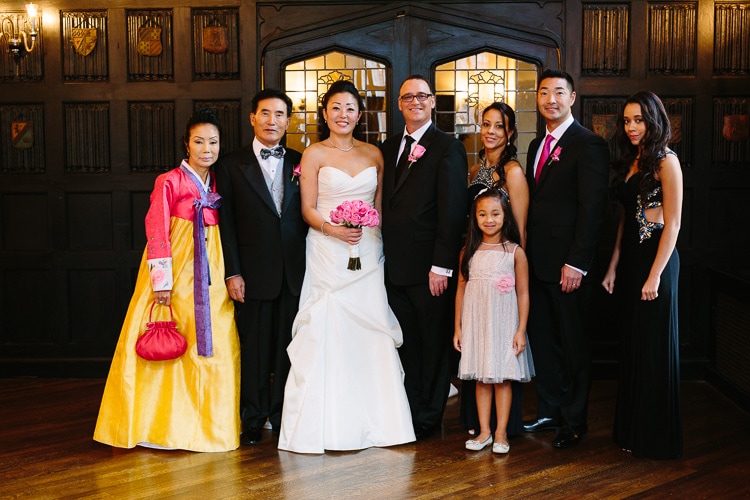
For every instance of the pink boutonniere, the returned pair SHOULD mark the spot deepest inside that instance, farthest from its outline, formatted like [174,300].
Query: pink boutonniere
[416,154]
[505,283]
[555,156]
[296,172]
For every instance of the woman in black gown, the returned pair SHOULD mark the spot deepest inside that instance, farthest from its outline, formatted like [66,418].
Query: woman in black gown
[648,421]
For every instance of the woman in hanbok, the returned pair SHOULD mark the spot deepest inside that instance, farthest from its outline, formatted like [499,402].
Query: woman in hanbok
[191,402]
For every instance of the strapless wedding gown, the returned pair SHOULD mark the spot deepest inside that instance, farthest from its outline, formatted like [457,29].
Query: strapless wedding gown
[345,387]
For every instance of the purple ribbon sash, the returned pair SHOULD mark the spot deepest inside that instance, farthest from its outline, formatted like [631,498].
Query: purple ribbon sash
[202,278]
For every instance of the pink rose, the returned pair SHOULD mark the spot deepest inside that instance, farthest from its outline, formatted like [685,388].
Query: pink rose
[556,154]
[416,154]
[505,283]
[296,172]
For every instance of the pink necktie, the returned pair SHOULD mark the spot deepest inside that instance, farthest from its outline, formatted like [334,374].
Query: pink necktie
[543,157]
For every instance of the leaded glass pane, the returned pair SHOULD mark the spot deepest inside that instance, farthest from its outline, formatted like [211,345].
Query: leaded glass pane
[466,86]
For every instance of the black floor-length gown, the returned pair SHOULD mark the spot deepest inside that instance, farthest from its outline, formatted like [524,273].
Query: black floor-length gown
[648,419]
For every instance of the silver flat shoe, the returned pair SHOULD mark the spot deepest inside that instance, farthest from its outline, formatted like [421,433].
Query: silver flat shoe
[500,448]
[475,445]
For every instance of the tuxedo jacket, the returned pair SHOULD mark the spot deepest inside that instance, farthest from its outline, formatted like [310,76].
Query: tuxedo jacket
[258,243]
[568,204]
[424,213]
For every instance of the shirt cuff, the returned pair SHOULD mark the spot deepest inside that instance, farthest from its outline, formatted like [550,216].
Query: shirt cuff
[442,271]
[575,268]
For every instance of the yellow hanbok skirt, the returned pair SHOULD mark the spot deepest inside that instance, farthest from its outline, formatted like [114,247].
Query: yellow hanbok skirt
[189,403]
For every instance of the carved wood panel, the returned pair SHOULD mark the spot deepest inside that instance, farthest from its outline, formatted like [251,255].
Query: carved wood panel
[732,38]
[672,37]
[216,54]
[605,39]
[601,114]
[680,111]
[87,137]
[24,223]
[90,225]
[84,44]
[22,138]
[152,136]
[150,51]
[231,120]
[731,132]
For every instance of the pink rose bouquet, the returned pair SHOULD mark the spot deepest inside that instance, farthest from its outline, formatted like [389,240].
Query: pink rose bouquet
[355,213]
[505,283]
[416,154]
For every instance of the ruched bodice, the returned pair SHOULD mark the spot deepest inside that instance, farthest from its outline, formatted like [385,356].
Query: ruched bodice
[336,186]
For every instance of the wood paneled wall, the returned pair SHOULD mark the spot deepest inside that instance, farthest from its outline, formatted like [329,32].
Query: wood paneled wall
[82,137]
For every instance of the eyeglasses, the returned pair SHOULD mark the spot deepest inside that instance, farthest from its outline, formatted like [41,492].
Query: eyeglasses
[421,97]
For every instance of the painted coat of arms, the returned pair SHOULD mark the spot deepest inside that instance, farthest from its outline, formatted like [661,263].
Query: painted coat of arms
[22,134]
[215,39]
[605,126]
[736,128]
[84,40]
[149,41]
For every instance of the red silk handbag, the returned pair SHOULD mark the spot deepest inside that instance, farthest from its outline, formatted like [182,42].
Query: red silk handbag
[161,340]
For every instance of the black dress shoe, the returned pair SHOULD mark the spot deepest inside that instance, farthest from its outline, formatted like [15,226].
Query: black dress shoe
[540,424]
[423,431]
[567,437]
[251,435]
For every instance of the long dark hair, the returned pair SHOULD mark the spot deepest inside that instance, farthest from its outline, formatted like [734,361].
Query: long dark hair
[508,232]
[511,134]
[203,115]
[654,143]
[338,87]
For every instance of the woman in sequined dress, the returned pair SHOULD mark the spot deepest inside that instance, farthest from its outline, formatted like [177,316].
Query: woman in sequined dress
[648,421]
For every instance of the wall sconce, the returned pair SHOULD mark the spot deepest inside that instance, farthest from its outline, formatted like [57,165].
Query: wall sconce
[18,38]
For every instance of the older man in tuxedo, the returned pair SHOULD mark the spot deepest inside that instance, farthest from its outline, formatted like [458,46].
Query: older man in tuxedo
[567,172]
[263,238]
[424,216]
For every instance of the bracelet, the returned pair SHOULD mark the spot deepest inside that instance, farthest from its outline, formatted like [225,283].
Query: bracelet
[322,228]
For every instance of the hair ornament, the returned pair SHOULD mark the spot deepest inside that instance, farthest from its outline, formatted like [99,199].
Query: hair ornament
[481,193]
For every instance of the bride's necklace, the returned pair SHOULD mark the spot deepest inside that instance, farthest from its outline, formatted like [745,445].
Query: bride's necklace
[342,149]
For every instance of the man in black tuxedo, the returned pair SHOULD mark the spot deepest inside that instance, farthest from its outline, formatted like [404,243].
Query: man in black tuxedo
[263,239]
[424,216]
[568,172]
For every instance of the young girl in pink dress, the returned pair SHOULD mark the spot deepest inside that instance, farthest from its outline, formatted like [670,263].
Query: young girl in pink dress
[492,307]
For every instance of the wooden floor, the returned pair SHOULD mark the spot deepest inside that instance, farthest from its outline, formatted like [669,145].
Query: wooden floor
[46,451]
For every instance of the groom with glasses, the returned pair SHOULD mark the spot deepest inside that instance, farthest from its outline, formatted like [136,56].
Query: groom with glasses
[424,217]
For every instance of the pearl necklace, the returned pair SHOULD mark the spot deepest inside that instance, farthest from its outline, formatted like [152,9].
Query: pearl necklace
[341,149]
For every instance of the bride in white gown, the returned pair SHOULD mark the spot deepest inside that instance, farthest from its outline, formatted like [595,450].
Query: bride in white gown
[345,387]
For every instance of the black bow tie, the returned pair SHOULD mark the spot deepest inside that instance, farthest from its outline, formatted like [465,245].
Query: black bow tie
[277,152]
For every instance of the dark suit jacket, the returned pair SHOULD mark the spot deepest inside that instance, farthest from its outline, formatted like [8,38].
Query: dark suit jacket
[567,206]
[259,244]
[424,214]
